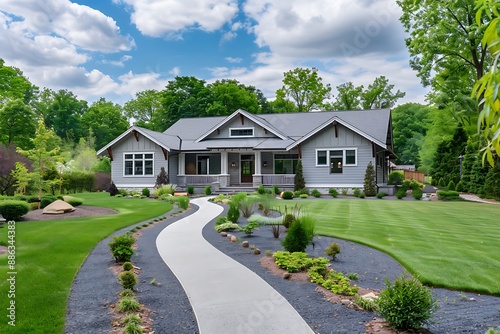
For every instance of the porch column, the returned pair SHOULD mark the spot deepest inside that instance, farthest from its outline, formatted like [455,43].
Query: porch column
[258,163]
[223,162]
[182,164]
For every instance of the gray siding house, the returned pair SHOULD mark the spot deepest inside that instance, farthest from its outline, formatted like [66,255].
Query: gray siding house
[245,150]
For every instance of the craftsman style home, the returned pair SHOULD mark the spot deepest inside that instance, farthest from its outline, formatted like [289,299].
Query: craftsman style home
[244,150]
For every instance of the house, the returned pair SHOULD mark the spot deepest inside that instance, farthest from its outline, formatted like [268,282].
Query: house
[244,150]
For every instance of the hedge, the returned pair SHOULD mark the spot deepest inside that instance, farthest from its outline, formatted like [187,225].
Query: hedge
[13,210]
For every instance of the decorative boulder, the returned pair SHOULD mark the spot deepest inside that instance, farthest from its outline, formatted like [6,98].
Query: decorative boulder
[245,244]
[58,207]
[234,239]
[223,234]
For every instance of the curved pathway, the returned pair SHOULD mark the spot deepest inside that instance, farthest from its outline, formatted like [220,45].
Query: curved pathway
[226,296]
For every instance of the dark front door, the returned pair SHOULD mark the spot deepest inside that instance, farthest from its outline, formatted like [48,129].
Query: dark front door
[247,171]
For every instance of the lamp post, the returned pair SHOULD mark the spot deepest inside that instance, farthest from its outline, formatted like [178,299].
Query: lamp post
[460,158]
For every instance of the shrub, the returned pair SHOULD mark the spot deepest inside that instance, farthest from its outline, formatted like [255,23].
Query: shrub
[162,178]
[316,193]
[248,229]
[128,280]
[448,195]
[128,304]
[46,200]
[133,328]
[332,250]
[365,303]
[247,205]
[33,206]
[396,178]
[276,190]
[13,210]
[123,192]
[78,181]
[356,192]
[417,193]
[132,319]
[233,214]
[164,189]
[460,187]
[299,235]
[127,293]
[442,183]
[121,247]
[183,202]
[406,303]
[303,195]
[299,181]
[451,185]
[261,190]
[145,192]
[127,266]
[74,201]
[400,193]
[288,219]
[344,191]
[333,192]
[221,220]
[208,190]
[492,183]
[381,194]
[287,195]
[226,227]
[362,195]
[369,184]
[190,190]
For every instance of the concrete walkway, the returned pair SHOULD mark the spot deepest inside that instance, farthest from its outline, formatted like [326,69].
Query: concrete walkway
[226,296]
[475,198]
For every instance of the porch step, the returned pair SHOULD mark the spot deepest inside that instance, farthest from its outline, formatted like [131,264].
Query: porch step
[239,189]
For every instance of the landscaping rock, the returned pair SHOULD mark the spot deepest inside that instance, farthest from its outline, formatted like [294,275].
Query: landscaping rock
[256,251]
[228,236]
[369,296]
[245,244]
[234,239]
[223,234]
[58,207]
[286,276]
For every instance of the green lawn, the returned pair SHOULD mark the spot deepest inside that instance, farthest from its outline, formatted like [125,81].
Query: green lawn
[447,244]
[49,253]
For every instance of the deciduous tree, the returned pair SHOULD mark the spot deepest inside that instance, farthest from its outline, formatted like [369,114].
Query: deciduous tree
[145,109]
[304,87]
[17,124]
[348,97]
[379,94]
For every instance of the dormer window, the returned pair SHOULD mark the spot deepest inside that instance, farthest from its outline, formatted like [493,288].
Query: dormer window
[240,132]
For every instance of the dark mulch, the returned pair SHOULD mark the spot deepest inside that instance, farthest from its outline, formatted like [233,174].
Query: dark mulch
[80,211]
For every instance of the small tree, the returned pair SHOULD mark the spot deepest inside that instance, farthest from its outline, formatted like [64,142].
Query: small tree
[299,182]
[369,183]
[161,178]
[42,154]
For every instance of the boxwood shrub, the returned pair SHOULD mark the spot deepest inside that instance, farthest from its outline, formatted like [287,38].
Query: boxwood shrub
[287,195]
[448,195]
[46,200]
[74,201]
[13,210]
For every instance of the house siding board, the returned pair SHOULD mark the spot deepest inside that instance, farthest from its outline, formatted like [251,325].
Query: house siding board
[234,172]
[130,144]
[258,131]
[173,168]
[351,175]
[269,158]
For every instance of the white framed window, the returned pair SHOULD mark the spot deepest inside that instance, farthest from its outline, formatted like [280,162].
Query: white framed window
[138,164]
[342,156]
[241,132]
[285,163]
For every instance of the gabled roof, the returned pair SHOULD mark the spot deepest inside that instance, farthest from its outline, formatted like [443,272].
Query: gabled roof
[253,118]
[163,140]
[293,129]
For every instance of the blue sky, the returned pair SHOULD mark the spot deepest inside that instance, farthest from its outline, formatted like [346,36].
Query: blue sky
[115,48]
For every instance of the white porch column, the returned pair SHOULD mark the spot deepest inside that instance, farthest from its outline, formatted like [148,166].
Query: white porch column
[258,163]
[182,164]
[223,162]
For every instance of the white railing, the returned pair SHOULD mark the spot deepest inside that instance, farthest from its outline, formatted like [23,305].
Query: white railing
[201,179]
[278,179]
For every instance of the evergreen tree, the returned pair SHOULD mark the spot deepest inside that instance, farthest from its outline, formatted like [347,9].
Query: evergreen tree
[446,163]
[370,187]
[299,182]
[161,178]
[492,184]
[474,173]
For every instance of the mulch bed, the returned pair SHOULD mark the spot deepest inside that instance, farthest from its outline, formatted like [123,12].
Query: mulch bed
[80,211]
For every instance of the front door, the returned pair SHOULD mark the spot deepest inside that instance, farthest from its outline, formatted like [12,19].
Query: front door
[247,168]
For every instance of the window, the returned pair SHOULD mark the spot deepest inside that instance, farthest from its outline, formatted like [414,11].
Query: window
[285,163]
[241,132]
[336,158]
[138,164]
[321,160]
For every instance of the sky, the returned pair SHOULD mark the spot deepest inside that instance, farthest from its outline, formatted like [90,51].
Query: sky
[116,48]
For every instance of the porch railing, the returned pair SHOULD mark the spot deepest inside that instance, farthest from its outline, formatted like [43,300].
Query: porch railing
[278,179]
[201,179]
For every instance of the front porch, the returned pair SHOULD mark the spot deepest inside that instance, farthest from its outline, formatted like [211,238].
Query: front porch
[243,170]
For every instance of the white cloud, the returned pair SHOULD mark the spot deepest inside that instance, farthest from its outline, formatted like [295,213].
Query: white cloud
[81,26]
[175,71]
[325,28]
[167,17]
[131,83]
[233,60]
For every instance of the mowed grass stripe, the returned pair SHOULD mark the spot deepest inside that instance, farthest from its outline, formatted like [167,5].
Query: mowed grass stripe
[447,244]
[49,254]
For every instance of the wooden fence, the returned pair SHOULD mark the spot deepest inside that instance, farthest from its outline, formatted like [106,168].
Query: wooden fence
[413,175]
